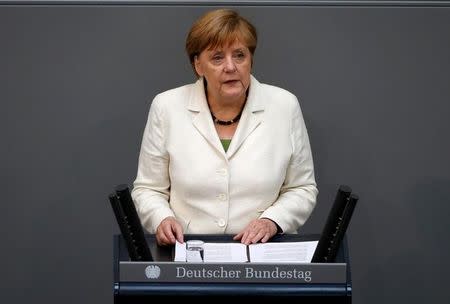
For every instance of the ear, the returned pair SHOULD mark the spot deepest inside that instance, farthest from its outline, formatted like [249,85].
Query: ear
[198,66]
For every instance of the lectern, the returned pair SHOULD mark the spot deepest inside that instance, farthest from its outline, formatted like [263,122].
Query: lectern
[162,279]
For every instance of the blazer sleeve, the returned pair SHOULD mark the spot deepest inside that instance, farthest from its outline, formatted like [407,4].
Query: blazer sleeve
[151,188]
[299,190]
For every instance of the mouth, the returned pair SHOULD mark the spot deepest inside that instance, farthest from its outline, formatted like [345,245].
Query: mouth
[232,81]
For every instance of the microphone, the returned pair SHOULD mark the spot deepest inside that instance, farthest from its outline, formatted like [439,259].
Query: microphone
[335,226]
[129,224]
[342,227]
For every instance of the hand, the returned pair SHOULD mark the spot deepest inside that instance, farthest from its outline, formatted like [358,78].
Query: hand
[168,231]
[257,230]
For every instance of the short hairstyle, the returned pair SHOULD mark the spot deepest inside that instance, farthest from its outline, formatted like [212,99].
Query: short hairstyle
[218,28]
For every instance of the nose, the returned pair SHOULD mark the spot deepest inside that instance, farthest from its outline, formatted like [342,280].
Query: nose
[230,65]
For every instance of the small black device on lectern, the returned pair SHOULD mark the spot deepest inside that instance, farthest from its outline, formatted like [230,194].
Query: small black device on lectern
[130,224]
[335,226]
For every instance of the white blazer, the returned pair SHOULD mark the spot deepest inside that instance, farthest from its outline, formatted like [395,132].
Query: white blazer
[184,171]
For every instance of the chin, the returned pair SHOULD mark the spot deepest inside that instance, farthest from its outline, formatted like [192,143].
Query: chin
[233,93]
[233,96]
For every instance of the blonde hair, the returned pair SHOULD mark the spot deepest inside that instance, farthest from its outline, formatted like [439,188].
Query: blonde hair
[218,28]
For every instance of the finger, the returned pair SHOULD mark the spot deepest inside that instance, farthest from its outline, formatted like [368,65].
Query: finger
[265,238]
[238,236]
[247,232]
[158,236]
[250,237]
[167,229]
[161,239]
[244,237]
[178,232]
[258,236]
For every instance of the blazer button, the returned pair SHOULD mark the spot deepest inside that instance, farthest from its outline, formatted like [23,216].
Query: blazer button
[222,171]
[221,223]
[222,197]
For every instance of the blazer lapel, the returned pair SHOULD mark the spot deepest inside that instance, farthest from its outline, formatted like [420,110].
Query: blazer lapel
[201,116]
[251,118]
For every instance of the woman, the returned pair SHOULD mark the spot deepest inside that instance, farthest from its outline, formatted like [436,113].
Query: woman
[226,154]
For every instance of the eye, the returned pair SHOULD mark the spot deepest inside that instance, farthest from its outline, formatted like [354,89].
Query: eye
[217,59]
[239,56]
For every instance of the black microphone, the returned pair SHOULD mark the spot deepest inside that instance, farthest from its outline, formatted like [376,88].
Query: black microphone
[130,224]
[123,225]
[342,227]
[332,225]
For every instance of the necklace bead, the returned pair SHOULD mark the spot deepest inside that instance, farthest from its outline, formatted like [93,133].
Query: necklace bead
[226,122]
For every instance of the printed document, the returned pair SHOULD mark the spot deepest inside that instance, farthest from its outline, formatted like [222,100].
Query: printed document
[285,252]
[289,252]
[225,252]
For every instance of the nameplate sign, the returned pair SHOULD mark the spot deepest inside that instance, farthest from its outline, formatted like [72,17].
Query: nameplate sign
[177,272]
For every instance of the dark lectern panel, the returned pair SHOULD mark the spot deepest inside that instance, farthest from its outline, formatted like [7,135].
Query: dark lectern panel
[135,292]
[236,299]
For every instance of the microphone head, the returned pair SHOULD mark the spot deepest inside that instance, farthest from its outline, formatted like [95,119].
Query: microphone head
[354,197]
[120,189]
[345,189]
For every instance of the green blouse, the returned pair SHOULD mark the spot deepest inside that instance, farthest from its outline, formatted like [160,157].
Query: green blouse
[225,143]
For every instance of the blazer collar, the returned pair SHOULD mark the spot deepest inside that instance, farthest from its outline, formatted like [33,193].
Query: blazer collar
[250,119]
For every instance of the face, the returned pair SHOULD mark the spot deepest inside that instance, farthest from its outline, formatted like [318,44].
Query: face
[227,71]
